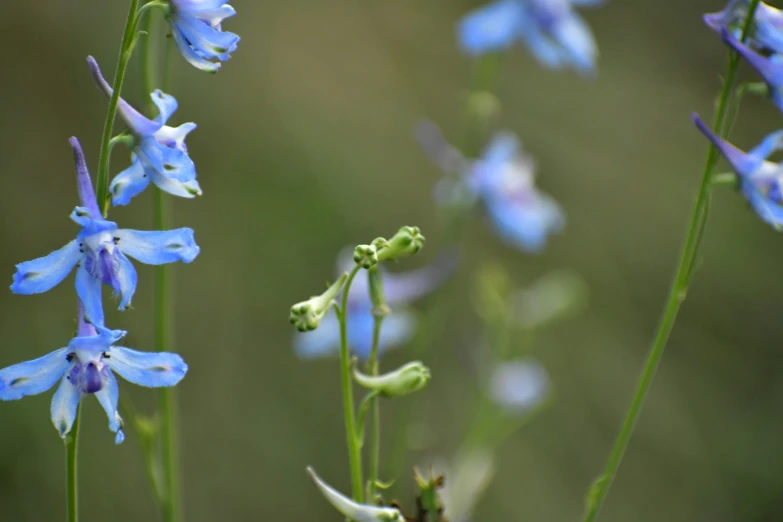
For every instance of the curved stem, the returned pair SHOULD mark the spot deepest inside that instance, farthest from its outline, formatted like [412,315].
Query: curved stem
[677,294]
[71,471]
[126,50]
[375,449]
[354,450]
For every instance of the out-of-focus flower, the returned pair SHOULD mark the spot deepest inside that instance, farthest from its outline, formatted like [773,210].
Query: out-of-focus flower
[520,386]
[760,179]
[556,35]
[353,510]
[85,367]
[771,69]
[766,32]
[504,180]
[554,296]
[196,26]
[159,152]
[401,289]
[100,250]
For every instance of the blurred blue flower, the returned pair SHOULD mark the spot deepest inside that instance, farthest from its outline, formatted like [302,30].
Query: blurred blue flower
[85,367]
[504,180]
[771,69]
[766,33]
[159,154]
[196,26]
[401,289]
[519,386]
[760,179]
[100,250]
[555,34]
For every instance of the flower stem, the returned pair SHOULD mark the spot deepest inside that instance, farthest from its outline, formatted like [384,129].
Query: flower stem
[677,293]
[71,471]
[126,50]
[354,447]
[375,450]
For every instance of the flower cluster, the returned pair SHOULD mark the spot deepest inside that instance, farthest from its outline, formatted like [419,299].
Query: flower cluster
[759,179]
[101,250]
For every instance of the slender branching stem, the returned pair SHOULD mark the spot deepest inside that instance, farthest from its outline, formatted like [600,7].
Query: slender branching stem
[373,365]
[71,471]
[677,293]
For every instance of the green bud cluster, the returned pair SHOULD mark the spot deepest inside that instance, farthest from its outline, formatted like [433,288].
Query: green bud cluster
[366,256]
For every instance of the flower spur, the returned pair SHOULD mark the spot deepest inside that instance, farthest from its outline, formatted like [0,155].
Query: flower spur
[100,251]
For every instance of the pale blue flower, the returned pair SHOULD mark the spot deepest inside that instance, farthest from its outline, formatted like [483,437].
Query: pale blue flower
[196,26]
[503,178]
[401,289]
[556,35]
[771,69]
[86,367]
[100,251]
[159,152]
[760,179]
[766,33]
[519,386]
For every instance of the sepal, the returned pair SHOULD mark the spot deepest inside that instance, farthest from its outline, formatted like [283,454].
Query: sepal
[406,379]
[307,315]
[353,510]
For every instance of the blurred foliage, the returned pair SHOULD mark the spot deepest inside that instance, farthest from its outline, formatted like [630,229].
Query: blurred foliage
[304,146]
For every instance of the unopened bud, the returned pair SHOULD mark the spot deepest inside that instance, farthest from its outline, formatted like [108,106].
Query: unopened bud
[377,294]
[406,242]
[365,256]
[352,510]
[307,315]
[407,379]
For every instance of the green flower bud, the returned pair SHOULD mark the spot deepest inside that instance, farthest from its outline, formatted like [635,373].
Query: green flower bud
[352,510]
[307,315]
[406,242]
[377,295]
[366,256]
[407,379]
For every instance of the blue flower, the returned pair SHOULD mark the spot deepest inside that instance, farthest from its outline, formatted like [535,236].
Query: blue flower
[87,366]
[519,386]
[504,180]
[766,33]
[199,36]
[760,179]
[100,250]
[159,152]
[401,289]
[555,34]
[771,69]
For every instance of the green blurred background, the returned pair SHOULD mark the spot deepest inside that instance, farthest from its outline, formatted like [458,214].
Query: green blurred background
[304,146]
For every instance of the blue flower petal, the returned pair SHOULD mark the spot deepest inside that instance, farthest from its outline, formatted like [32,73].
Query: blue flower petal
[150,369]
[127,279]
[771,70]
[768,210]
[109,396]
[574,35]
[207,41]
[527,225]
[183,189]
[65,406]
[321,342]
[544,48]
[166,161]
[89,291]
[129,183]
[197,5]
[191,55]
[159,246]
[139,123]
[166,104]
[397,329]
[744,164]
[493,27]
[44,273]
[33,377]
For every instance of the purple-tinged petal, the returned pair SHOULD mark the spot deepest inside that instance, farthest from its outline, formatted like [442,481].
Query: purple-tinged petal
[65,406]
[84,183]
[83,328]
[109,396]
[197,5]
[44,273]
[88,289]
[33,377]
[772,71]
[129,183]
[158,247]
[174,137]
[126,279]
[139,123]
[150,369]
[744,164]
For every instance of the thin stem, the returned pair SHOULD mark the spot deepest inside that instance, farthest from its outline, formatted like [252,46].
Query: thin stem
[71,471]
[354,450]
[677,294]
[126,50]
[375,449]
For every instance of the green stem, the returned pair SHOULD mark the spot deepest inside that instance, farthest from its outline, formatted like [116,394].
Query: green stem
[126,50]
[71,471]
[354,449]
[375,450]
[677,295]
